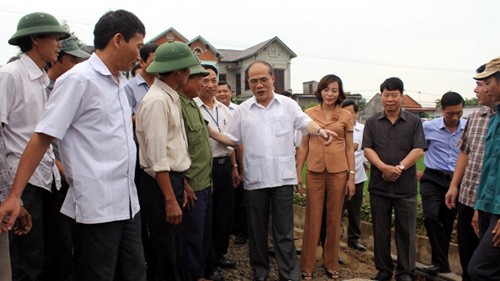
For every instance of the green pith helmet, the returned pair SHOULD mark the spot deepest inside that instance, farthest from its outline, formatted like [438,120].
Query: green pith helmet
[70,46]
[198,69]
[38,23]
[172,56]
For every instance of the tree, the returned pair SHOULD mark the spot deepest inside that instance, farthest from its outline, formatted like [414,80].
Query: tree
[471,102]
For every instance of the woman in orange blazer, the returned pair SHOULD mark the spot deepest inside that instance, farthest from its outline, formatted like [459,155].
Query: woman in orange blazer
[330,175]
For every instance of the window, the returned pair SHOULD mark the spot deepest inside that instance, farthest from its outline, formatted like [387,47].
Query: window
[279,82]
[238,84]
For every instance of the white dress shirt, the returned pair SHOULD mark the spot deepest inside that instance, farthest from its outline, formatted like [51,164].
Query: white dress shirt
[160,131]
[232,107]
[359,156]
[218,119]
[267,133]
[22,99]
[88,112]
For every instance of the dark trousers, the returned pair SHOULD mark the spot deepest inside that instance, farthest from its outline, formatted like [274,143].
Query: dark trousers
[405,210]
[354,213]
[33,256]
[467,238]
[280,201]
[63,266]
[223,203]
[165,238]
[108,248]
[484,264]
[146,235]
[240,225]
[197,236]
[438,218]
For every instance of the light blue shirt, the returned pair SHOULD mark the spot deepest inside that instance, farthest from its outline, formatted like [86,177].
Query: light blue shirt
[442,150]
[136,89]
[267,137]
[88,113]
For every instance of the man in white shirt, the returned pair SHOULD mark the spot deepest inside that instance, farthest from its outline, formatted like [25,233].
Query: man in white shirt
[224,94]
[89,115]
[265,124]
[354,205]
[163,153]
[22,99]
[61,241]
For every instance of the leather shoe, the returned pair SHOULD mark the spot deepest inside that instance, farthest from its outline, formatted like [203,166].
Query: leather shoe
[357,246]
[404,277]
[434,270]
[382,276]
[215,276]
[259,278]
[225,263]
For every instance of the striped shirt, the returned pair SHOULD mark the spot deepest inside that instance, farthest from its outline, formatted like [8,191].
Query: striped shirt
[472,143]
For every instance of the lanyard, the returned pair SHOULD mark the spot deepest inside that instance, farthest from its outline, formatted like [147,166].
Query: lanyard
[216,120]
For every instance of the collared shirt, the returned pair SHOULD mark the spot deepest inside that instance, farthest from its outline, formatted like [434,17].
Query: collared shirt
[136,89]
[4,173]
[392,143]
[22,99]
[442,151]
[267,135]
[160,131]
[89,114]
[488,191]
[359,156]
[232,107]
[332,157]
[218,118]
[199,174]
[472,143]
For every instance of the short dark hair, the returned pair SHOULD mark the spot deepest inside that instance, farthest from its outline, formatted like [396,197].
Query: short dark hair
[134,69]
[25,44]
[146,50]
[113,22]
[286,94]
[212,67]
[222,82]
[347,103]
[323,84]
[450,99]
[392,84]
[269,66]
[496,75]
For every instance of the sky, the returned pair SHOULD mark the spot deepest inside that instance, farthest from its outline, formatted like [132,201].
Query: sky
[433,46]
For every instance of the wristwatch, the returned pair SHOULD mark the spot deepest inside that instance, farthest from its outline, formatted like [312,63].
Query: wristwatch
[318,133]
[401,166]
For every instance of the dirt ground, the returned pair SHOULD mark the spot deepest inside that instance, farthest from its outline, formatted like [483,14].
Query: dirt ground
[357,264]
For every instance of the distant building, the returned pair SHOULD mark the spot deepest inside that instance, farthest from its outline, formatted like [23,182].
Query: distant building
[409,104]
[307,97]
[232,63]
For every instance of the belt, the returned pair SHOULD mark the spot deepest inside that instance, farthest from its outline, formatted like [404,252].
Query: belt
[221,160]
[443,174]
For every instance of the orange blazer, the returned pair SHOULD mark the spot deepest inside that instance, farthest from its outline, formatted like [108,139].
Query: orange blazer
[331,157]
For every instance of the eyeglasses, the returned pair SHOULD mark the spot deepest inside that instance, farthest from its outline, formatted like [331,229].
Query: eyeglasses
[261,80]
